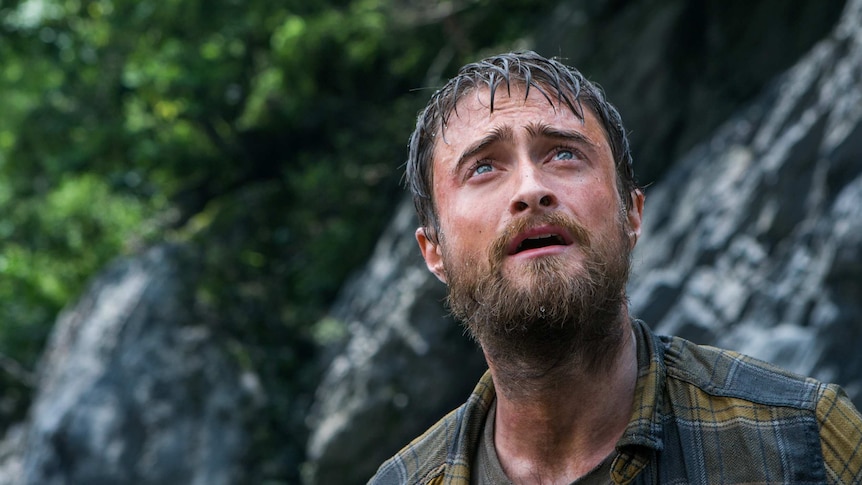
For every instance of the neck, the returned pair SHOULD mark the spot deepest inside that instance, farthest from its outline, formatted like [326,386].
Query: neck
[554,426]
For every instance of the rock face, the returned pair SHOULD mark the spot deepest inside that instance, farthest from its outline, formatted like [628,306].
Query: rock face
[751,242]
[133,389]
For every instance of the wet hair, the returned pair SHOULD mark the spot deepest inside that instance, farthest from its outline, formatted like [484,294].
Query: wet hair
[561,85]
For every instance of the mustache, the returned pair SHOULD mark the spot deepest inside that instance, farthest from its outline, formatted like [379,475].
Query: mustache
[579,233]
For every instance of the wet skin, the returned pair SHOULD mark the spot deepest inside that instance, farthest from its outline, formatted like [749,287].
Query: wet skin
[526,158]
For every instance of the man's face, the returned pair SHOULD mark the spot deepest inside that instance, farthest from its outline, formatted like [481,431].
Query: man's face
[523,161]
[526,196]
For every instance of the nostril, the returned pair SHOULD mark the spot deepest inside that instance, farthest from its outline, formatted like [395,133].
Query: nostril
[545,201]
[521,205]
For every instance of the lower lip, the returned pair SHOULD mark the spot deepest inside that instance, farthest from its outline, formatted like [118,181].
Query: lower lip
[540,252]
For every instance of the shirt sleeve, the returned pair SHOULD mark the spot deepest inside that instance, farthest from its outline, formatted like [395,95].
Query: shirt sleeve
[840,436]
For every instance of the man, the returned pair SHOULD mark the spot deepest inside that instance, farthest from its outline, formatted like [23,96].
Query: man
[529,210]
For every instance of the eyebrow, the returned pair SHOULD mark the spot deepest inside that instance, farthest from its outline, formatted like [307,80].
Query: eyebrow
[542,130]
[499,134]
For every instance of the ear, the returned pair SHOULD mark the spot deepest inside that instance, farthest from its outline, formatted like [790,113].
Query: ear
[432,253]
[635,215]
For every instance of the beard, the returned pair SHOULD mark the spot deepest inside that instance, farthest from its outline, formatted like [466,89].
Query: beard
[560,319]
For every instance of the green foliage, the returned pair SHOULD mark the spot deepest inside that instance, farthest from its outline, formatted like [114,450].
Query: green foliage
[267,135]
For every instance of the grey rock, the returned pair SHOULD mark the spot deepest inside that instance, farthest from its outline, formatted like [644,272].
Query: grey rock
[10,455]
[132,389]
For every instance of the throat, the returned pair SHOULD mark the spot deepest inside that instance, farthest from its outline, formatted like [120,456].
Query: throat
[566,428]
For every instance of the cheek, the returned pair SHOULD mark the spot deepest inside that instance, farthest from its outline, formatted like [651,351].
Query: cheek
[474,224]
[467,235]
[598,207]
[467,216]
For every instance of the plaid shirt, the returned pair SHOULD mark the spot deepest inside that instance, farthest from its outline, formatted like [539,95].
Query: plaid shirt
[701,416]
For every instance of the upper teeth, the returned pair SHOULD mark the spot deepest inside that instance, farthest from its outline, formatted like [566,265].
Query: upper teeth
[541,237]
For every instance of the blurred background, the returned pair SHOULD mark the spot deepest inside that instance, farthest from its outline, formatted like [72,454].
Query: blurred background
[191,194]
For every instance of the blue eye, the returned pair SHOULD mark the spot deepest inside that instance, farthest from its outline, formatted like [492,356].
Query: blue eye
[483,168]
[564,155]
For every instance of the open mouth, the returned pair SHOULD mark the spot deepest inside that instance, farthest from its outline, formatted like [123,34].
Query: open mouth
[540,237]
[540,242]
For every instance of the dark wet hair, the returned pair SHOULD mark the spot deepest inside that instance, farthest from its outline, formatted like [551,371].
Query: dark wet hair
[559,84]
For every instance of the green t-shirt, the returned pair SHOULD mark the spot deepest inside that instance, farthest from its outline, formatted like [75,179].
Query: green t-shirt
[486,470]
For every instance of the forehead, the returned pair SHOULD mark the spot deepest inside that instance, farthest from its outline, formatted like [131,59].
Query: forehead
[513,109]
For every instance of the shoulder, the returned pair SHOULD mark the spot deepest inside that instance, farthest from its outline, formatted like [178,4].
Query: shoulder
[724,373]
[735,397]
[424,457]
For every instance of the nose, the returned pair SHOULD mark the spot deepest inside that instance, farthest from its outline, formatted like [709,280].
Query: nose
[532,192]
